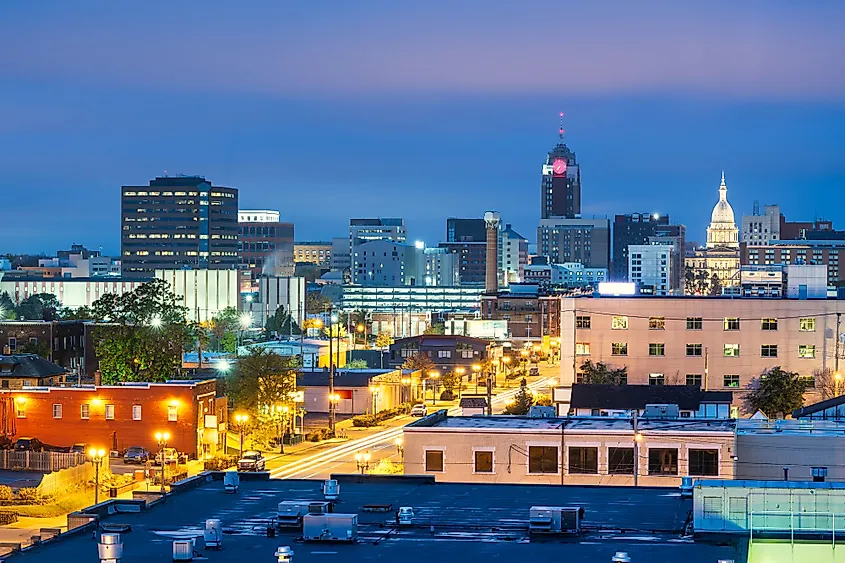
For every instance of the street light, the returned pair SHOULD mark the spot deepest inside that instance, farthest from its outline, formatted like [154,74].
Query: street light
[162,438]
[362,460]
[361,328]
[97,456]
[241,419]
[435,375]
[156,322]
[400,449]
[476,369]
[374,391]
[224,366]
[282,412]
[406,383]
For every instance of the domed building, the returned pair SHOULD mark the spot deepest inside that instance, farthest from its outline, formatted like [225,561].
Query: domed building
[715,266]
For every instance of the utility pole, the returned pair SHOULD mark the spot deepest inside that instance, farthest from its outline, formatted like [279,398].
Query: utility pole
[637,439]
[489,396]
[331,375]
[836,353]
[706,368]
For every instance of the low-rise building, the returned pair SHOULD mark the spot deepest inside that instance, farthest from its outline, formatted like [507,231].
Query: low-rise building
[624,400]
[70,344]
[71,292]
[18,371]
[569,450]
[313,252]
[531,316]
[445,351]
[358,391]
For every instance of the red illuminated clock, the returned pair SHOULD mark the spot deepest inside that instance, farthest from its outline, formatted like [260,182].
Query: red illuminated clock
[559,166]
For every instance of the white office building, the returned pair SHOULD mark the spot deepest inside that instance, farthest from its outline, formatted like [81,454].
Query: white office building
[650,265]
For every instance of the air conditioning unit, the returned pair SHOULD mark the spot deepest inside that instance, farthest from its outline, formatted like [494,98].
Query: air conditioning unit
[290,512]
[330,527]
[555,519]
[662,411]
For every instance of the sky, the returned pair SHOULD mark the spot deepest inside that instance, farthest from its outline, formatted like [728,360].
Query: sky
[424,110]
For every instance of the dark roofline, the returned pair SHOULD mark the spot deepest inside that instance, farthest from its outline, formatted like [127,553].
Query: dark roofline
[687,397]
[820,406]
[422,338]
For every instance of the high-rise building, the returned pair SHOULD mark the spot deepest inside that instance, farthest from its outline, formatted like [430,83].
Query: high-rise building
[175,223]
[758,230]
[384,263]
[383,228]
[514,255]
[650,265]
[265,245]
[561,183]
[465,230]
[628,229]
[471,259]
[575,240]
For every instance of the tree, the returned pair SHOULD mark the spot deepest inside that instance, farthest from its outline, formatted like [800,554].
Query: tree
[337,330]
[357,363]
[82,313]
[263,379]
[280,323]
[522,401]
[827,384]
[715,285]
[384,340]
[776,392]
[316,303]
[223,328]
[450,380]
[437,328]
[543,401]
[7,307]
[418,362]
[39,348]
[38,307]
[601,374]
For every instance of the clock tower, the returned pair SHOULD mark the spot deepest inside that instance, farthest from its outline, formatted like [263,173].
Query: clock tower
[561,183]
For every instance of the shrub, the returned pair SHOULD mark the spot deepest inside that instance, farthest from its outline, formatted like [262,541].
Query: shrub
[318,435]
[8,518]
[220,463]
[447,396]
[364,420]
[29,493]
[6,493]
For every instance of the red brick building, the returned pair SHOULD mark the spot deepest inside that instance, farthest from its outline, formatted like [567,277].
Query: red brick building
[116,417]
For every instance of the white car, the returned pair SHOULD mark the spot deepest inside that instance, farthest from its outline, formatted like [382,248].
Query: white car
[251,461]
[419,410]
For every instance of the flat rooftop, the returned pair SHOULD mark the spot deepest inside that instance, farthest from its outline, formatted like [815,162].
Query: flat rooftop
[572,423]
[453,522]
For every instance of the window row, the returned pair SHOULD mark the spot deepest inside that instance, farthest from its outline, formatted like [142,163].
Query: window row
[620,322]
[85,411]
[696,350]
[584,460]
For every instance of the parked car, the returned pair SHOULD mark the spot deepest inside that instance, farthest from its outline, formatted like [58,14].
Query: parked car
[419,410]
[170,456]
[79,448]
[29,445]
[534,371]
[136,454]
[251,461]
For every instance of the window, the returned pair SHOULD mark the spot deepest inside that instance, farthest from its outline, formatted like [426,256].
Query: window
[13,344]
[663,461]
[109,412]
[582,348]
[444,353]
[694,379]
[619,323]
[808,380]
[434,460]
[693,349]
[582,322]
[769,324]
[730,380]
[620,461]
[769,350]
[172,413]
[85,411]
[57,410]
[657,349]
[484,462]
[806,351]
[807,324]
[20,408]
[619,349]
[694,323]
[136,412]
[819,474]
[656,379]
[731,323]
[704,462]
[731,350]
[656,323]
[542,459]
[583,460]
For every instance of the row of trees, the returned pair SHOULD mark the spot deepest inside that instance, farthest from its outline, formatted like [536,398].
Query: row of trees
[38,307]
[701,282]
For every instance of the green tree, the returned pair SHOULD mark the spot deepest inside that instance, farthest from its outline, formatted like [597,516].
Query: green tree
[436,328]
[384,340]
[82,313]
[776,392]
[316,303]
[357,364]
[223,328]
[229,343]
[262,380]
[281,323]
[39,348]
[7,307]
[522,400]
[601,374]
[450,381]
[38,307]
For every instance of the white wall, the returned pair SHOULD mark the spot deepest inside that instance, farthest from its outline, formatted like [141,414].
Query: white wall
[204,292]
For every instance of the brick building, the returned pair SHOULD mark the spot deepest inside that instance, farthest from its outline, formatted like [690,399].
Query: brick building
[119,416]
[530,315]
[265,244]
[71,343]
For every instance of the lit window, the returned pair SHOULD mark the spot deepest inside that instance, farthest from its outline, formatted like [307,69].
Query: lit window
[807,351]
[731,350]
[136,412]
[769,324]
[731,380]
[807,324]
[619,323]
[172,413]
[656,379]
[731,323]
[582,348]
[20,409]
[109,412]
[582,322]
[57,410]
[657,349]
[656,323]
[85,411]
[619,349]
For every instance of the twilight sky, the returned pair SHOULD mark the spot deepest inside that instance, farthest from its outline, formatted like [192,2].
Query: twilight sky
[326,110]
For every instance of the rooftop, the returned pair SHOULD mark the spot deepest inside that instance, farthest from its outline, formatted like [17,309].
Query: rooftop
[505,423]
[687,397]
[28,365]
[452,522]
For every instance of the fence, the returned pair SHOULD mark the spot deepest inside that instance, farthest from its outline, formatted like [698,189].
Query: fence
[45,462]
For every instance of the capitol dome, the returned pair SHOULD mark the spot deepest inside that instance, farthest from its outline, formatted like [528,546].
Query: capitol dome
[722,231]
[723,212]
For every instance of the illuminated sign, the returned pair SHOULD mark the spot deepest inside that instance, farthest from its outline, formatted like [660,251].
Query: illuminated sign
[617,288]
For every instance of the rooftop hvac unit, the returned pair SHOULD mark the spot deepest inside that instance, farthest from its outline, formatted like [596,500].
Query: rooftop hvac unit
[213,534]
[330,527]
[110,548]
[183,550]
[231,481]
[555,519]
[405,516]
[331,489]
[661,411]
[686,487]
[290,512]
[284,554]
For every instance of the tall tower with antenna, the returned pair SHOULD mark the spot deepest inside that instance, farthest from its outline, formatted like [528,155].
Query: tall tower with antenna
[561,182]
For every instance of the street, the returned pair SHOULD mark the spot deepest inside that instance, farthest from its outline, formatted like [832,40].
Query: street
[322,460]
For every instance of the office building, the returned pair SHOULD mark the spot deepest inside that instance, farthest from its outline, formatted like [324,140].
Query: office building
[560,187]
[409,299]
[651,266]
[385,263]
[314,252]
[465,230]
[531,316]
[813,252]
[265,244]
[759,230]
[514,255]
[575,240]
[178,223]
[71,293]
[644,228]
[341,260]
[471,258]
[383,228]
[564,276]
[205,293]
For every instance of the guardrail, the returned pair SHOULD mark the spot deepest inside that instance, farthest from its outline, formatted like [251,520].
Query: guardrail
[45,462]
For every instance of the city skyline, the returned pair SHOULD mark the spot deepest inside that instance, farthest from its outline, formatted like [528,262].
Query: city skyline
[371,119]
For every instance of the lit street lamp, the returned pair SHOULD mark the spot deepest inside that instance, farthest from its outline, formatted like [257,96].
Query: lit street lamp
[362,460]
[400,449]
[162,438]
[374,391]
[244,322]
[460,371]
[97,457]
[435,375]
[406,389]
[241,419]
[506,360]
[476,369]
[281,411]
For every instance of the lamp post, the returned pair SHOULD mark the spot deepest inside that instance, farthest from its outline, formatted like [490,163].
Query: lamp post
[281,412]
[506,360]
[374,392]
[162,438]
[241,419]
[97,456]
[362,460]
[406,389]
[361,330]
[400,449]
[476,369]
[435,375]
[332,401]
[244,322]
[460,371]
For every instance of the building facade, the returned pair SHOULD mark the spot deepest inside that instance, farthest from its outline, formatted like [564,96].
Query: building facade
[205,293]
[633,228]
[406,300]
[70,344]
[575,240]
[178,222]
[319,253]
[514,252]
[530,315]
[817,252]
[471,259]
[465,230]
[560,186]
[447,352]
[265,244]
[650,265]
[758,230]
[71,293]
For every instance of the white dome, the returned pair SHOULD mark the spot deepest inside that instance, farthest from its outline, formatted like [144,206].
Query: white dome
[723,213]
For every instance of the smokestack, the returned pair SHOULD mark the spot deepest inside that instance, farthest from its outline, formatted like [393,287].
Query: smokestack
[491,279]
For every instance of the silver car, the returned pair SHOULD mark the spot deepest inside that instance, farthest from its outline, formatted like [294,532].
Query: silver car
[251,461]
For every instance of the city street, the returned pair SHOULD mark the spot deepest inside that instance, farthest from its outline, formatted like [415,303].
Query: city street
[322,460]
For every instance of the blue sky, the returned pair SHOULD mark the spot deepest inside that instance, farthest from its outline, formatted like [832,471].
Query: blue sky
[443,108]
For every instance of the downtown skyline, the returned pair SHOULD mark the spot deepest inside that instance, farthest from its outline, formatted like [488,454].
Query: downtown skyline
[329,115]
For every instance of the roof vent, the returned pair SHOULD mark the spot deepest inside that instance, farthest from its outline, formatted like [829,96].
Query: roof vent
[284,554]
[661,411]
[621,557]
[110,548]
[331,489]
